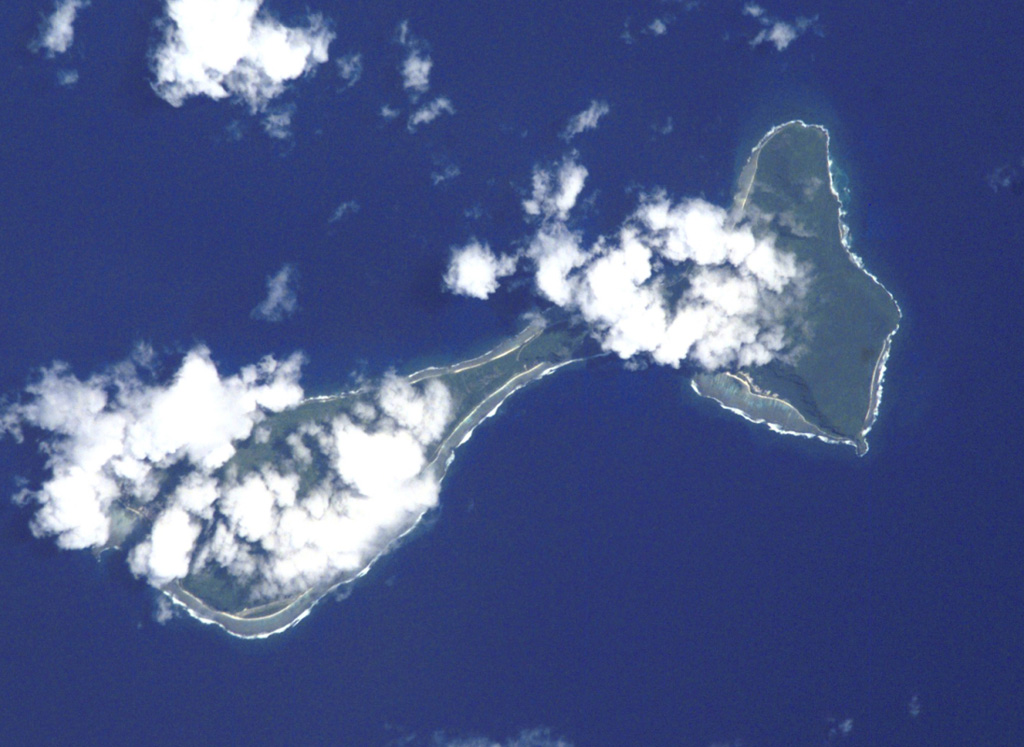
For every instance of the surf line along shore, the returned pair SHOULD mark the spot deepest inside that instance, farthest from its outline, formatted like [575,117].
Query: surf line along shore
[831,388]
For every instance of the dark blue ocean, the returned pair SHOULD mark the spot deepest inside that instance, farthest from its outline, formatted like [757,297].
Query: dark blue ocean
[614,561]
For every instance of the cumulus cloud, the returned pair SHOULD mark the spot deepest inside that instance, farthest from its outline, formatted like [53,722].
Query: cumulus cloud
[733,287]
[165,554]
[775,31]
[164,610]
[680,281]
[446,174]
[57,31]
[838,730]
[1006,177]
[282,296]
[349,207]
[555,190]
[537,737]
[780,34]
[231,48]
[67,78]
[163,467]
[417,63]
[110,435]
[585,120]
[658,27]
[278,123]
[350,68]
[429,112]
[415,69]
[474,270]
[914,706]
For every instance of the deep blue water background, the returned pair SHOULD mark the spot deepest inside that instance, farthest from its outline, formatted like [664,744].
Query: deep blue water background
[613,559]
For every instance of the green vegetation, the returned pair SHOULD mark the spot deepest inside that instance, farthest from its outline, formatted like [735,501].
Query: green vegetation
[831,386]
[828,387]
[477,386]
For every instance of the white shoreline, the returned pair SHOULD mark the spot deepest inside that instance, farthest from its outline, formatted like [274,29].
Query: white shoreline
[529,333]
[774,427]
[878,375]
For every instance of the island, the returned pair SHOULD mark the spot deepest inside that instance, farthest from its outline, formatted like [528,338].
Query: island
[830,387]
[477,387]
[250,517]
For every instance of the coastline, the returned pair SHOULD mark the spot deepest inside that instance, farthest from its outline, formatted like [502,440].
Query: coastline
[755,396]
[878,376]
[736,391]
[258,625]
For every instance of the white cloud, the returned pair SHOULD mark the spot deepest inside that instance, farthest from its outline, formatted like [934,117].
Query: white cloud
[678,282]
[282,299]
[67,77]
[113,434]
[417,63]
[839,730]
[404,35]
[429,112]
[732,311]
[914,706]
[1007,176]
[556,252]
[780,34]
[389,112]
[349,207]
[538,737]
[585,120]
[416,71]
[164,611]
[449,172]
[350,68]
[776,31]
[658,27]
[230,48]
[423,411]
[555,190]
[164,450]
[753,10]
[57,31]
[200,415]
[165,554]
[627,35]
[474,270]
[665,127]
[278,124]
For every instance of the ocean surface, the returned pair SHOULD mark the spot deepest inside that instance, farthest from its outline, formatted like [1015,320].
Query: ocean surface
[614,561]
